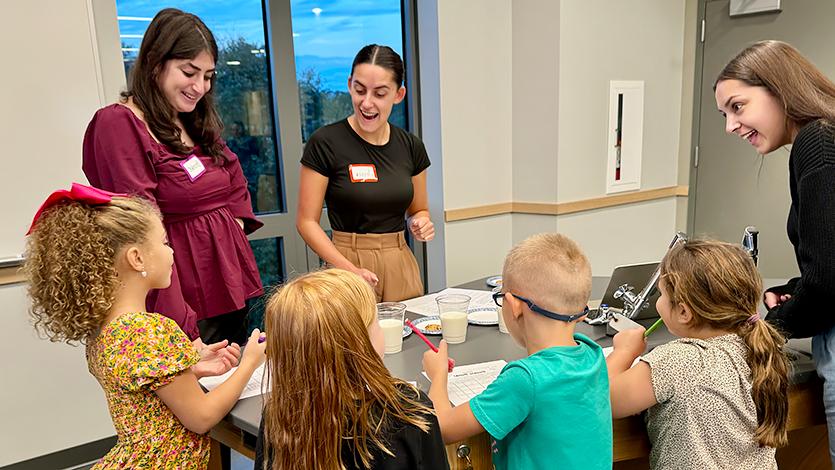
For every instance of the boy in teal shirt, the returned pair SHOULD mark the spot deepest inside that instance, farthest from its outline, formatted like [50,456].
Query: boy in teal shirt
[550,409]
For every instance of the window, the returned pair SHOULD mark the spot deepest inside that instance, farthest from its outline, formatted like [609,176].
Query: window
[243,94]
[327,34]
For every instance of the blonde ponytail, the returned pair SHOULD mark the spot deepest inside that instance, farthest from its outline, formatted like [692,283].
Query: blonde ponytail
[770,382]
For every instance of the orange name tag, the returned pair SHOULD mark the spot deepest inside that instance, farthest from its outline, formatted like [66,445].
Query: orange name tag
[366,173]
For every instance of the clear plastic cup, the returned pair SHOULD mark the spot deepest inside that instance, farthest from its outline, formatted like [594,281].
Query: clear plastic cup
[502,326]
[390,316]
[452,308]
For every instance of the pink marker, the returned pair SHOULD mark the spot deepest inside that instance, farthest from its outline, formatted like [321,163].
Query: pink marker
[429,343]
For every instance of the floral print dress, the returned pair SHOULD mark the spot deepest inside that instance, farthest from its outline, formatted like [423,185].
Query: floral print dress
[131,357]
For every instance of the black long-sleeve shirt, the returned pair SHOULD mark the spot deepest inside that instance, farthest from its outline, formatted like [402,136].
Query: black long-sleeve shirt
[413,449]
[811,229]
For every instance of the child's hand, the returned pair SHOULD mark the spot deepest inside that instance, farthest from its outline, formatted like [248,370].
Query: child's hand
[630,342]
[217,359]
[436,364]
[254,353]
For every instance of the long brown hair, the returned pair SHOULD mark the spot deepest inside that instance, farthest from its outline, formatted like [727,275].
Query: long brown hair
[329,386]
[803,90]
[70,259]
[720,284]
[174,34]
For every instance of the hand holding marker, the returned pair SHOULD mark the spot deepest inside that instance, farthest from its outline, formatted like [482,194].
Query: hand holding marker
[429,343]
[653,327]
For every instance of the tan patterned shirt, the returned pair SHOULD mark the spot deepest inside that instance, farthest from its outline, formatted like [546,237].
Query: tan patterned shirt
[705,417]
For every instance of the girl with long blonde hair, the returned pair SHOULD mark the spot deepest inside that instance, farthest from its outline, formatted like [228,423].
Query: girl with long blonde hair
[333,403]
[717,397]
[92,257]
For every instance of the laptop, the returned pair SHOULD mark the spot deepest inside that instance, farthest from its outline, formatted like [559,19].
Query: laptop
[637,276]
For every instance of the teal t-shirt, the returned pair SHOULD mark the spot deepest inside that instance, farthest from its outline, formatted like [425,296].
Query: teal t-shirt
[550,410]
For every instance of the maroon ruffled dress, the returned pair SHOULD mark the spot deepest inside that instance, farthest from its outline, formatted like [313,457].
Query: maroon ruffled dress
[214,267]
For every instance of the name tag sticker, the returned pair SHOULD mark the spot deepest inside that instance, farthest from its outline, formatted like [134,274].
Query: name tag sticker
[194,167]
[366,173]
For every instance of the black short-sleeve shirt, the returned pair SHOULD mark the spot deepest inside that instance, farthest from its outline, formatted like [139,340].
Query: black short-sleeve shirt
[413,449]
[369,186]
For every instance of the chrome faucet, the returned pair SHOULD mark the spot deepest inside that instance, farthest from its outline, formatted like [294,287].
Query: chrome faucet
[750,242]
[633,303]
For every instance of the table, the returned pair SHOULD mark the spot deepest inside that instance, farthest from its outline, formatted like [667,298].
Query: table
[808,445]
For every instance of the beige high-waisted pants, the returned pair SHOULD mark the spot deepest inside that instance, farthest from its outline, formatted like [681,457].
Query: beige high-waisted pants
[388,256]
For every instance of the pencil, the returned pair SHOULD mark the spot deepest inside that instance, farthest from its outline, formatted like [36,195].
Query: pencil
[428,343]
[653,327]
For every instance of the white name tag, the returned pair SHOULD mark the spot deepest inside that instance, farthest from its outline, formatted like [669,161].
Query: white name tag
[194,167]
[366,173]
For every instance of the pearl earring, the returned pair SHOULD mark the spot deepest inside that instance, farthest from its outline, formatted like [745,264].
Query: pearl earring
[144,273]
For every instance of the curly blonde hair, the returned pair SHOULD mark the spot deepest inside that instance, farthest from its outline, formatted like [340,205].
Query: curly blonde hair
[70,263]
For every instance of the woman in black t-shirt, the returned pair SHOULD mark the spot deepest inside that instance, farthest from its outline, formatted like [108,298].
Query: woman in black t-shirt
[772,96]
[372,176]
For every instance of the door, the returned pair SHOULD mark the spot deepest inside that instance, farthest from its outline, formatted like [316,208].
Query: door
[735,187]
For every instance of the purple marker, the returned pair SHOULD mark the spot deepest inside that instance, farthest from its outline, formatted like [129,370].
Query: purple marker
[261,339]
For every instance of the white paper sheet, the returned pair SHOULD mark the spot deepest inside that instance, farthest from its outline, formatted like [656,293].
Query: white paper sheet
[427,305]
[253,387]
[467,381]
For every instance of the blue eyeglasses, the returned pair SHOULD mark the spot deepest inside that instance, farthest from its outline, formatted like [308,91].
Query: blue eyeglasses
[498,296]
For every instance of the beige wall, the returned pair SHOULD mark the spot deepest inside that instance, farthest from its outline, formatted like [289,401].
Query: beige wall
[550,64]
[474,38]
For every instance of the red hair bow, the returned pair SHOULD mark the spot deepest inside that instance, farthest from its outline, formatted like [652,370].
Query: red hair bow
[78,192]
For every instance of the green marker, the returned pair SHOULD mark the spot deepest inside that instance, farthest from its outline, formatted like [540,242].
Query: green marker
[653,327]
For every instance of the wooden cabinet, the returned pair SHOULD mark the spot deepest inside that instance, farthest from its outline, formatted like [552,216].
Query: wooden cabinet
[808,447]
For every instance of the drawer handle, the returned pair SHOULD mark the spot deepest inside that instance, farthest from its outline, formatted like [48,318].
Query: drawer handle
[463,452]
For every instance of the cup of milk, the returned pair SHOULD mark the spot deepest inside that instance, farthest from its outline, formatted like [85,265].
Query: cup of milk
[390,316]
[452,308]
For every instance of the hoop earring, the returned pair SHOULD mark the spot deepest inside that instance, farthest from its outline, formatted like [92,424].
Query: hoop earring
[144,273]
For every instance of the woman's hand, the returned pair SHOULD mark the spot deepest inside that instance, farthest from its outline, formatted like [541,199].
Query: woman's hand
[772,300]
[216,358]
[369,277]
[422,228]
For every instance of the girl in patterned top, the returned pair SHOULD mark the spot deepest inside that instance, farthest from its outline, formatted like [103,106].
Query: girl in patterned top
[92,257]
[717,397]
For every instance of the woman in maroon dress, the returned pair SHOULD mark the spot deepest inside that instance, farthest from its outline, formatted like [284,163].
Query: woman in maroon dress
[162,141]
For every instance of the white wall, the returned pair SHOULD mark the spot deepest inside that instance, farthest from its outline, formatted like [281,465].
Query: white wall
[51,88]
[48,401]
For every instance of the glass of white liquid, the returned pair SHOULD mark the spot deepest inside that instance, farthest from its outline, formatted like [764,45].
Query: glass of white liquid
[502,326]
[452,309]
[390,316]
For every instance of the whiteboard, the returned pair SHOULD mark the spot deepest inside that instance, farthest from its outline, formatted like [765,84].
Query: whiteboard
[49,89]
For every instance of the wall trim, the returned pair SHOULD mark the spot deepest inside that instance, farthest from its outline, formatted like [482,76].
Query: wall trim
[563,208]
[11,275]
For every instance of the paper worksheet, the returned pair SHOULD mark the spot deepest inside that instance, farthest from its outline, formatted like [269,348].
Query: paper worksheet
[467,381]
[254,387]
[426,305]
